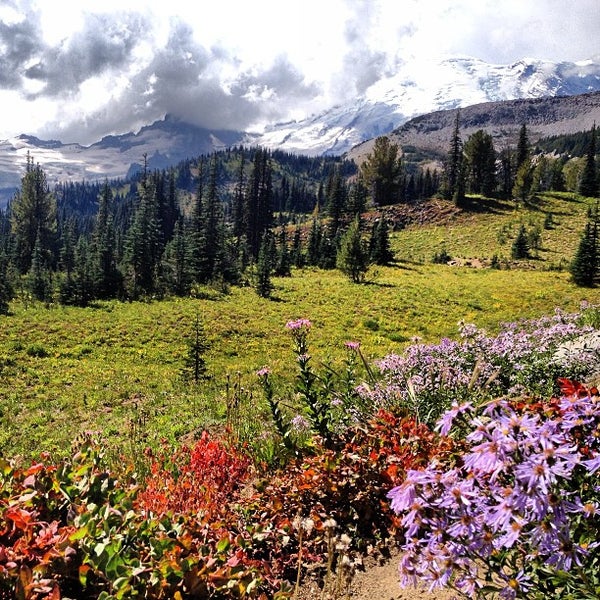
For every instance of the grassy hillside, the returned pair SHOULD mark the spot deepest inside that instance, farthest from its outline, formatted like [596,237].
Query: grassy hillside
[116,367]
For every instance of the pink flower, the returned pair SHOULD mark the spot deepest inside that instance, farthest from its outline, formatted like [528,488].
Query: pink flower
[298,324]
[355,346]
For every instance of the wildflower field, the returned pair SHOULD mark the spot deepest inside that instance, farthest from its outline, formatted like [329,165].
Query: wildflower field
[477,456]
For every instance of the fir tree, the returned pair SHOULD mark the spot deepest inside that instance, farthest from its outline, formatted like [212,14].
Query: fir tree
[455,171]
[520,247]
[353,256]
[283,260]
[107,279]
[382,172]
[39,276]
[379,245]
[264,266]
[481,163]
[6,288]
[297,257]
[197,345]
[585,265]
[523,148]
[34,219]
[588,184]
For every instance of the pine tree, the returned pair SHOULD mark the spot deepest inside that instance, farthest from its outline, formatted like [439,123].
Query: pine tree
[481,163]
[379,246]
[520,247]
[6,288]
[588,184]
[314,243]
[382,172]
[107,279]
[353,256]
[197,346]
[297,257]
[585,266]
[454,171]
[523,148]
[34,220]
[264,266]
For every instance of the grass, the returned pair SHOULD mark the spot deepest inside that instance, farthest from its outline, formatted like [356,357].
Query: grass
[116,367]
[489,227]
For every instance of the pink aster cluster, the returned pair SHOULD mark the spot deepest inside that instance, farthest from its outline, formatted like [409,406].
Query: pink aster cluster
[518,513]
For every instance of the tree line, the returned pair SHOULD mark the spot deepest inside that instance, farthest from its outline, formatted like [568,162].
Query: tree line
[234,217]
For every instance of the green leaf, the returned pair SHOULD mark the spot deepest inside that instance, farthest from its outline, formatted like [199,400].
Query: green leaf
[223,545]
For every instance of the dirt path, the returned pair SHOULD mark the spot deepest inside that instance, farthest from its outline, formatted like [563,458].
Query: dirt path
[379,582]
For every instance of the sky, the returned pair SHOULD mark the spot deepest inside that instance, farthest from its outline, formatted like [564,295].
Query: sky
[76,70]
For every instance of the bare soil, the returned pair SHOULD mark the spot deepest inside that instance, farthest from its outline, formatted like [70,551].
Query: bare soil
[376,582]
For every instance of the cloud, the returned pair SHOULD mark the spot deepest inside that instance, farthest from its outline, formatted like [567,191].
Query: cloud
[19,44]
[82,70]
[185,79]
[106,42]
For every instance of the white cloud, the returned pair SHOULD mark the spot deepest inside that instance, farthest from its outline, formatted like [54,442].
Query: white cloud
[77,71]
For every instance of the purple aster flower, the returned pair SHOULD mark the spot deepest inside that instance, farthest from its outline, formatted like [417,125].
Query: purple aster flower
[354,346]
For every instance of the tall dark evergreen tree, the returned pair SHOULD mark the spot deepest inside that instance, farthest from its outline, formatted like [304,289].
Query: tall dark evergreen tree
[454,171]
[353,255]
[34,219]
[40,275]
[481,163]
[175,265]
[588,184]
[523,148]
[144,244]
[106,276]
[6,288]
[585,266]
[380,251]
[335,193]
[264,266]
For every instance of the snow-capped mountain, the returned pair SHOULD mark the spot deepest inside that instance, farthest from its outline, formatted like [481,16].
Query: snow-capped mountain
[416,89]
[419,89]
[165,143]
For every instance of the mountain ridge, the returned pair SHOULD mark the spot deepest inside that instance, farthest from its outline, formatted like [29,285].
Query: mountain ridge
[384,108]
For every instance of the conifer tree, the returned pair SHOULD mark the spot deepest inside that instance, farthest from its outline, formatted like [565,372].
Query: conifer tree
[314,243]
[297,257]
[143,244]
[481,163]
[586,262]
[283,261]
[523,148]
[382,172]
[264,266]
[6,288]
[523,186]
[197,345]
[107,279]
[175,261]
[379,246]
[353,256]
[588,184]
[34,219]
[455,171]
[520,247]
[39,276]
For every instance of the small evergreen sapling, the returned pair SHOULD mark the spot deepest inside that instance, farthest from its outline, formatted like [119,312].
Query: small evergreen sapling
[195,364]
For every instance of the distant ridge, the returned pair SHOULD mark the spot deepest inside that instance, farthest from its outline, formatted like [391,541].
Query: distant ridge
[544,117]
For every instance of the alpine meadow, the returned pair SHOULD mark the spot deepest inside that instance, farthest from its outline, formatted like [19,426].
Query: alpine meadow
[241,375]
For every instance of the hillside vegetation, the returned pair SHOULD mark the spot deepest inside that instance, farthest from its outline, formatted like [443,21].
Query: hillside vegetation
[117,367]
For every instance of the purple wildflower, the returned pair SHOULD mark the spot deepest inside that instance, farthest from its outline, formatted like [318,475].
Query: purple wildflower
[298,324]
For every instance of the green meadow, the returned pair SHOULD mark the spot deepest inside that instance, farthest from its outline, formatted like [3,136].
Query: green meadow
[116,367]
